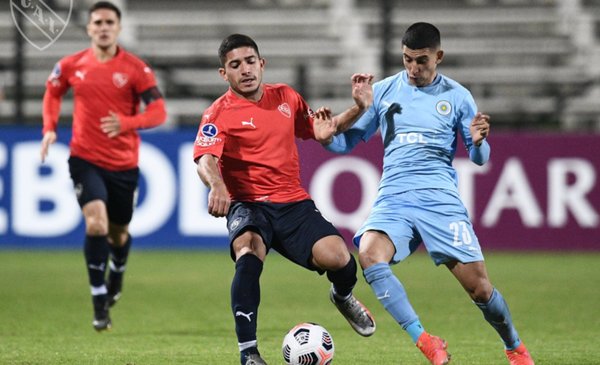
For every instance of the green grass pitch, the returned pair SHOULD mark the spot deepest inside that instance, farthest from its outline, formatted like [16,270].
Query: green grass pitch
[175,310]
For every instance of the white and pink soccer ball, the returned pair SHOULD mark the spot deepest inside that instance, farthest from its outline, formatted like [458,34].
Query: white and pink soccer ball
[308,344]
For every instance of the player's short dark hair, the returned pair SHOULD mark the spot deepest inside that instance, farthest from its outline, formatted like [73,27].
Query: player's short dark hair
[105,5]
[422,35]
[234,41]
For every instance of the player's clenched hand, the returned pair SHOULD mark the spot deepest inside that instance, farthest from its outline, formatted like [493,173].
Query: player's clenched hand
[47,140]
[362,90]
[111,124]
[218,200]
[324,126]
[480,128]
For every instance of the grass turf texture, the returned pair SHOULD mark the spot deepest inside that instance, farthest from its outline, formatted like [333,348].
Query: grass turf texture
[175,310]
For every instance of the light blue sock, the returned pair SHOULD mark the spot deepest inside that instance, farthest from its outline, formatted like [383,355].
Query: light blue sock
[390,292]
[415,330]
[496,312]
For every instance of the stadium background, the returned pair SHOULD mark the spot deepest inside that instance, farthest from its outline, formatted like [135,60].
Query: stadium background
[534,65]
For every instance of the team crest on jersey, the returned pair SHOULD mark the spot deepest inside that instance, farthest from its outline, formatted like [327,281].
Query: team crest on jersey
[443,107]
[120,79]
[285,110]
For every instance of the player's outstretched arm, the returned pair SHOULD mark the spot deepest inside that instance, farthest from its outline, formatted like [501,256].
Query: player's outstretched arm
[218,196]
[362,93]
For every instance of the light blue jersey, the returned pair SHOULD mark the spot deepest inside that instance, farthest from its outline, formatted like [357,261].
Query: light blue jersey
[420,128]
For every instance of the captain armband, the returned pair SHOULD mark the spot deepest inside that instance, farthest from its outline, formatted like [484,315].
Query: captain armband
[150,95]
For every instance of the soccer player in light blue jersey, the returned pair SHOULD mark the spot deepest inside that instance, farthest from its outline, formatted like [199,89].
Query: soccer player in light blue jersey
[420,114]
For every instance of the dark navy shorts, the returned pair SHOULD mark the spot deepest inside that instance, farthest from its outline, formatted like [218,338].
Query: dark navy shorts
[117,189]
[291,229]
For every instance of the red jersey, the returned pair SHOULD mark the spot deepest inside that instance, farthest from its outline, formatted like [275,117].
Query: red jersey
[256,144]
[100,88]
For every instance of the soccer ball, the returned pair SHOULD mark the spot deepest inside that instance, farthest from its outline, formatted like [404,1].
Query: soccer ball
[308,344]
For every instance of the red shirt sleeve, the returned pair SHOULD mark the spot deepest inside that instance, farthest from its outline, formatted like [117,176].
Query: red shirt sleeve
[304,117]
[211,136]
[57,85]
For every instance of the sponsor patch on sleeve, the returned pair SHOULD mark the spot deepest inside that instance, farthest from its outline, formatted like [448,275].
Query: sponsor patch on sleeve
[55,74]
[208,135]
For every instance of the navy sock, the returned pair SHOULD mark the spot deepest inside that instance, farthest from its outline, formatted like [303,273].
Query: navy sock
[100,304]
[118,259]
[96,255]
[245,298]
[344,279]
[496,312]
[119,254]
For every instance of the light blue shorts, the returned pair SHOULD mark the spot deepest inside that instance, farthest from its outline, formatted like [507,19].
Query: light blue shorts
[436,217]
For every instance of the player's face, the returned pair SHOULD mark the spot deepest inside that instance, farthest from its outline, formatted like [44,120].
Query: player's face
[104,28]
[421,64]
[243,71]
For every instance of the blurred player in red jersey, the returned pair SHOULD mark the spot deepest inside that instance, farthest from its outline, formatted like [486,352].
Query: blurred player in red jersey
[108,84]
[247,155]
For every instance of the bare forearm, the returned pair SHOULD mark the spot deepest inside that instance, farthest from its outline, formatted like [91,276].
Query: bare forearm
[347,118]
[218,196]
[208,170]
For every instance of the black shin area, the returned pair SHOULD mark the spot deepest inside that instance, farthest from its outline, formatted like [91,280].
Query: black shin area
[245,296]
[344,279]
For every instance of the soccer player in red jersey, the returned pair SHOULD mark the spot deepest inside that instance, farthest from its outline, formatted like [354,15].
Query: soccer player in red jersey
[108,84]
[247,155]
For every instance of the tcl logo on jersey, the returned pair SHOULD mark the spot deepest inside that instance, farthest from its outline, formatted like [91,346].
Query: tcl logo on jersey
[120,79]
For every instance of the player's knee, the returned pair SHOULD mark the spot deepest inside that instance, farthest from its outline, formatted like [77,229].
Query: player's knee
[118,239]
[365,259]
[482,292]
[96,226]
[369,256]
[249,243]
[374,248]
[338,260]
[331,254]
